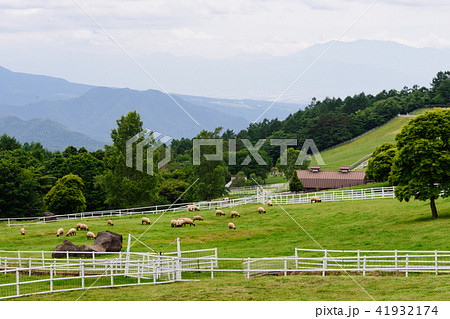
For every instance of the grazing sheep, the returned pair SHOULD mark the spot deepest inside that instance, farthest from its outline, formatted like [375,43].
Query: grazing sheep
[220,213]
[231,226]
[192,208]
[179,223]
[315,199]
[198,218]
[110,222]
[22,231]
[173,223]
[187,221]
[60,232]
[71,232]
[261,210]
[226,198]
[269,202]
[84,227]
[145,220]
[235,214]
[79,225]
[90,235]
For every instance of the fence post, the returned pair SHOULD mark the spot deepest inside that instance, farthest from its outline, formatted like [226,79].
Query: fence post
[324,264]
[178,266]
[82,275]
[112,272]
[212,268]
[359,263]
[364,265]
[407,265]
[17,282]
[29,267]
[43,259]
[51,278]
[285,266]
[436,261]
[9,223]
[139,272]
[20,261]
[396,261]
[248,268]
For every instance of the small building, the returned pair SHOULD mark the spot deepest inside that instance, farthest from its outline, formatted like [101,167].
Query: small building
[314,178]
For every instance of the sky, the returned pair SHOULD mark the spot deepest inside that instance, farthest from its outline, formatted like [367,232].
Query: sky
[55,37]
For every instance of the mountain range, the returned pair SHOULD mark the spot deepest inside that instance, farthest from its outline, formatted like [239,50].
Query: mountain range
[347,68]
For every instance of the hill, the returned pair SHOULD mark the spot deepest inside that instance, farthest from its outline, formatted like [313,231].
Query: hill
[95,113]
[349,153]
[21,88]
[51,135]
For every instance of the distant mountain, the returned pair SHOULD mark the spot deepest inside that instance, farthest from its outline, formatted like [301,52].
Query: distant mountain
[21,88]
[95,113]
[51,135]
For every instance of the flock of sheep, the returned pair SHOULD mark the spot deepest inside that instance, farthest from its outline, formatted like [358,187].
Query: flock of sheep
[182,221]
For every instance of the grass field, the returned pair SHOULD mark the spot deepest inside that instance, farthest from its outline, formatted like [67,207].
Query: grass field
[368,225]
[349,153]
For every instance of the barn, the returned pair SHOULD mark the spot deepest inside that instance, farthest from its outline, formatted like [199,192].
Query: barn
[315,178]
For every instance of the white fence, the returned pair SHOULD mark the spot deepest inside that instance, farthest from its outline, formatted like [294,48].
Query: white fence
[29,273]
[262,197]
[254,189]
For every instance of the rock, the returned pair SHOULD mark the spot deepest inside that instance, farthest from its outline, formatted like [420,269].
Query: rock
[67,245]
[108,240]
[49,217]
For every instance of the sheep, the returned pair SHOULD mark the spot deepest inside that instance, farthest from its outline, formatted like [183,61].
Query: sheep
[145,220]
[315,199]
[90,235]
[22,231]
[84,227]
[226,198]
[173,223]
[110,222]
[192,208]
[269,202]
[197,218]
[235,214]
[220,213]
[78,226]
[60,232]
[187,221]
[231,226]
[179,223]
[71,232]
[261,210]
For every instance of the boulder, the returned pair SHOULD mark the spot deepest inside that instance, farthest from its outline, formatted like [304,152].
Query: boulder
[108,241]
[61,249]
[49,217]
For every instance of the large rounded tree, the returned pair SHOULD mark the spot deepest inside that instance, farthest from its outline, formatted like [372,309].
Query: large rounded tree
[66,197]
[422,167]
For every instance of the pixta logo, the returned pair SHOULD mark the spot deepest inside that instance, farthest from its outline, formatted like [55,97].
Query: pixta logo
[149,140]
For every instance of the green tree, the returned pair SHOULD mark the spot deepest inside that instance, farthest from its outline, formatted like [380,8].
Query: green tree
[422,167]
[19,190]
[295,184]
[380,163]
[172,189]
[66,197]
[239,179]
[290,167]
[8,143]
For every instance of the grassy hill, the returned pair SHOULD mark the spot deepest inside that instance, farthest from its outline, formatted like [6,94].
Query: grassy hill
[368,225]
[349,153]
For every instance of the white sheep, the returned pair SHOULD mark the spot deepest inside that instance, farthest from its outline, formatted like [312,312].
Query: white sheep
[84,227]
[179,223]
[145,220]
[197,218]
[220,213]
[22,231]
[78,226]
[60,232]
[90,235]
[110,222]
[231,226]
[173,223]
[315,199]
[261,210]
[192,208]
[269,202]
[71,232]
[235,214]
[187,221]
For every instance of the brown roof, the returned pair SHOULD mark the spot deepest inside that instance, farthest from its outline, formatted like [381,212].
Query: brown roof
[330,179]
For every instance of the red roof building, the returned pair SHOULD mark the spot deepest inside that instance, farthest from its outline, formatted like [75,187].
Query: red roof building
[316,179]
